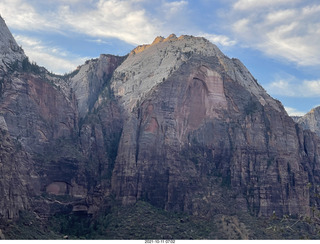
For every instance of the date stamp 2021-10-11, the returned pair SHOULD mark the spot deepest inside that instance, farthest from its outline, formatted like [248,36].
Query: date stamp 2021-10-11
[159,241]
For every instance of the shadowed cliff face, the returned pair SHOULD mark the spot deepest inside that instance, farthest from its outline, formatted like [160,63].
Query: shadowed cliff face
[16,177]
[36,111]
[70,144]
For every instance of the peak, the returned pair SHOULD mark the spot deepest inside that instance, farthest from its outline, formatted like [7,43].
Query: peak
[173,39]
[9,49]
[151,64]
[157,40]
[315,110]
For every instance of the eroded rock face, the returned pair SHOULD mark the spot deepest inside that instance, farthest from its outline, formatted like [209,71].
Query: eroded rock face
[70,152]
[311,121]
[36,112]
[142,71]
[17,178]
[90,79]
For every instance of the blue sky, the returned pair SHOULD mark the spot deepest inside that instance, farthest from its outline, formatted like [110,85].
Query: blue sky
[278,40]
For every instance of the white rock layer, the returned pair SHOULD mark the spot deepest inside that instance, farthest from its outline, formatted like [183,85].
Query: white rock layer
[149,65]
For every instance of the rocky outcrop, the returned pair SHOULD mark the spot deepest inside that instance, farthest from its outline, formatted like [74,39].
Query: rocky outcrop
[11,55]
[311,120]
[36,112]
[90,79]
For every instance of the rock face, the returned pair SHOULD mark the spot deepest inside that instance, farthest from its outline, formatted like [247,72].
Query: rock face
[68,150]
[175,123]
[16,177]
[15,164]
[207,119]
[90,79]
[311,121]
[11,55]
[47,131]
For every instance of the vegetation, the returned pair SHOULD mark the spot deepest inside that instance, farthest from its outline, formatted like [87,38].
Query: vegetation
[32,67]
[251,107]
[28,226]
[144,221]
[139,221]
[72,73]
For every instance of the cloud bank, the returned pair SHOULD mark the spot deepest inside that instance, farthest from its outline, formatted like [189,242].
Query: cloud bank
[293,87]
[286,29]
[53,58]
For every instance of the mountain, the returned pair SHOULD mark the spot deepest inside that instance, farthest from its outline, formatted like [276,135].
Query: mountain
[174,127]
[311,120]
[11,54]
[200,118]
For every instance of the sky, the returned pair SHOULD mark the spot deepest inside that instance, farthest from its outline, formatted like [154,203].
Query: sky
[277,40]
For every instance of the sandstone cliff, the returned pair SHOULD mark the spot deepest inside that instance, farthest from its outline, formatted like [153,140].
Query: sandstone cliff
[17,176]
[45,117]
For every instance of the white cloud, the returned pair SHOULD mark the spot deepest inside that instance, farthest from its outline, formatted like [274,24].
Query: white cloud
[173,8]
[294,112]
[52,58]
[127,20]
[122,19]
[260,4]
[290,32]
[280,16]
[290,86]
[22,15]
[99,41]
[111,18]
[219,39]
